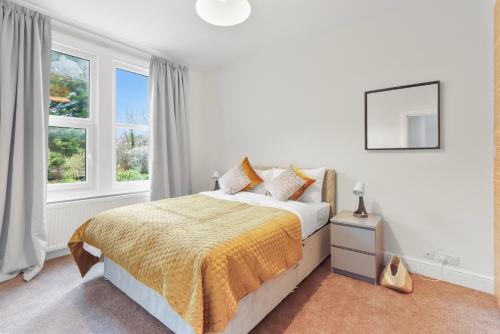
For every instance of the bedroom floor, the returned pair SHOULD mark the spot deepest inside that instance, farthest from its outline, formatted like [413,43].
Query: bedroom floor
[59,301]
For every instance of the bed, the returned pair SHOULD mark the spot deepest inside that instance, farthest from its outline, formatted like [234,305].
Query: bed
[259,300]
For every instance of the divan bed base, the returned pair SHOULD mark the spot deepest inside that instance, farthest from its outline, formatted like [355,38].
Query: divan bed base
[251,309]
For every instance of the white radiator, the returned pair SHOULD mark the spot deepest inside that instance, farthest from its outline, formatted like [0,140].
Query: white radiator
[63,218]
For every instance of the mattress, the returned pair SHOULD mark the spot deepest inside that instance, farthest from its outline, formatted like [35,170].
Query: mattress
[312,216]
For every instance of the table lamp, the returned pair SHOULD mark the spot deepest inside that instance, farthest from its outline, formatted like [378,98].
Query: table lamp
[359,190]
[215,177]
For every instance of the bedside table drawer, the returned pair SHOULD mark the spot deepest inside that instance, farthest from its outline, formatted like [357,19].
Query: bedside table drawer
[353,237]
[356,263]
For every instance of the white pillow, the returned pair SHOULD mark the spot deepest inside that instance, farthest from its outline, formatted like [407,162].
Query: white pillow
[285,185]
[234,180]
[277,172]
[267,176]
[314,194]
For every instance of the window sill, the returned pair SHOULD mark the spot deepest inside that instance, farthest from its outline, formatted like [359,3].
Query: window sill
[96,196]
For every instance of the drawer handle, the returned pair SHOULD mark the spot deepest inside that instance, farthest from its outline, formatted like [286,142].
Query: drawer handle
[355,226]
[353,250]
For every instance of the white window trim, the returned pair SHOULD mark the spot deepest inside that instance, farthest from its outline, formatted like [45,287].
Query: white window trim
[89,124]
[136,185]
[100,139]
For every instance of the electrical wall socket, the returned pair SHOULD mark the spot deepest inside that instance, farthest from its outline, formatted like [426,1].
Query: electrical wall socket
[428,254]
[448,259]
[452,260]
[441,258]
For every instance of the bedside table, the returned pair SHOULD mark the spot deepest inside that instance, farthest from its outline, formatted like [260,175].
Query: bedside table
[356,246]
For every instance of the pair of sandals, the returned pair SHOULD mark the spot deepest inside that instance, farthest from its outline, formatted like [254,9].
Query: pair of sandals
[396,277]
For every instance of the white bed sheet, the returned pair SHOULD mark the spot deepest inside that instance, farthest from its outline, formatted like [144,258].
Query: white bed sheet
[312,216]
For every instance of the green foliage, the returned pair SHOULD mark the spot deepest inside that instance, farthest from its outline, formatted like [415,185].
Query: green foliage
[131,155]
[66,141]
[74,166]
[131,138]
[77,93]
[130,175]
[66,155]
[56,159]
[69,179]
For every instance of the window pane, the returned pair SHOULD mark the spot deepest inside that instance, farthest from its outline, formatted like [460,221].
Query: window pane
[69,86]
[131,98]
[67,155]
[131,154]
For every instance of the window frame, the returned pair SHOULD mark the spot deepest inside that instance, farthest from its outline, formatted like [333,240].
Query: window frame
[140,185]
[89,124]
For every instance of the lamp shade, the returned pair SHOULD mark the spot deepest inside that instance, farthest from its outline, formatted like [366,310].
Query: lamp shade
[215,175]
[359,189]
[223,13]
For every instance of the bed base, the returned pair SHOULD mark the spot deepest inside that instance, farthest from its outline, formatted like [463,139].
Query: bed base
[251,309]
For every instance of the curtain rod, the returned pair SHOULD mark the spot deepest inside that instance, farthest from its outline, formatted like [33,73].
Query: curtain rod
[90,30]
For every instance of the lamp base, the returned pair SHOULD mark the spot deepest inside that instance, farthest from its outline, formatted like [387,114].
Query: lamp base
[361,211]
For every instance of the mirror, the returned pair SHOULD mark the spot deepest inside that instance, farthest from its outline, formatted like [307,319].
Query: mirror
[401,118]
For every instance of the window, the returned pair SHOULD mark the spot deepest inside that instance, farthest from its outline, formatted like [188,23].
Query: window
[98,134]
[131,124]
[69,119]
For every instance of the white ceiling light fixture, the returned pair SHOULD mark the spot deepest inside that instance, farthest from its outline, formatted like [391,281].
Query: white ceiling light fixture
[223,13]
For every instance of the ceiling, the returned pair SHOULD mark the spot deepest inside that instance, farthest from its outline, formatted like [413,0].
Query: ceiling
[172,28]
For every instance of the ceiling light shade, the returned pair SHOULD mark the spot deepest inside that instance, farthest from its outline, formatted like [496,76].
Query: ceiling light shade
[223,13]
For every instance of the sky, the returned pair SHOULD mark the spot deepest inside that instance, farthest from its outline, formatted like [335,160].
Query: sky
[131,97]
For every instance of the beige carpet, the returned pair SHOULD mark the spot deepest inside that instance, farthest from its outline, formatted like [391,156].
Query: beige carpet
[59,301]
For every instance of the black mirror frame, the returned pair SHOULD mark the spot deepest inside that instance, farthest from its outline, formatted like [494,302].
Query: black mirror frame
[404,87]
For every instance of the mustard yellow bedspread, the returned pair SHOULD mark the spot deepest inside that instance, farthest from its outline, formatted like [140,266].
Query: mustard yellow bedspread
[200,253]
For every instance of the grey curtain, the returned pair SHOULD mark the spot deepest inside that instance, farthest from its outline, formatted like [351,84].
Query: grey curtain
[170,166]
[25,44]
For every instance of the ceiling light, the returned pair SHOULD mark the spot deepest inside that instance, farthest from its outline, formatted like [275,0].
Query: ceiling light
[223,12]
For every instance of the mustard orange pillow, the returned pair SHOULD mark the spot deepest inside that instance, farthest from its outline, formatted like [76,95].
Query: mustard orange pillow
[307,183]
[251,174]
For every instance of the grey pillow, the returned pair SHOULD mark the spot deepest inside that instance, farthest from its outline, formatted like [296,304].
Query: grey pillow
[285,185]
[234,180]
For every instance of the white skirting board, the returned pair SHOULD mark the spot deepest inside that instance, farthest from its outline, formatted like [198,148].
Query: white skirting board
[57,253]
[447,273]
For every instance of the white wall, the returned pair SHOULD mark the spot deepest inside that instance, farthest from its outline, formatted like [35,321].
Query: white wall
[303,104]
